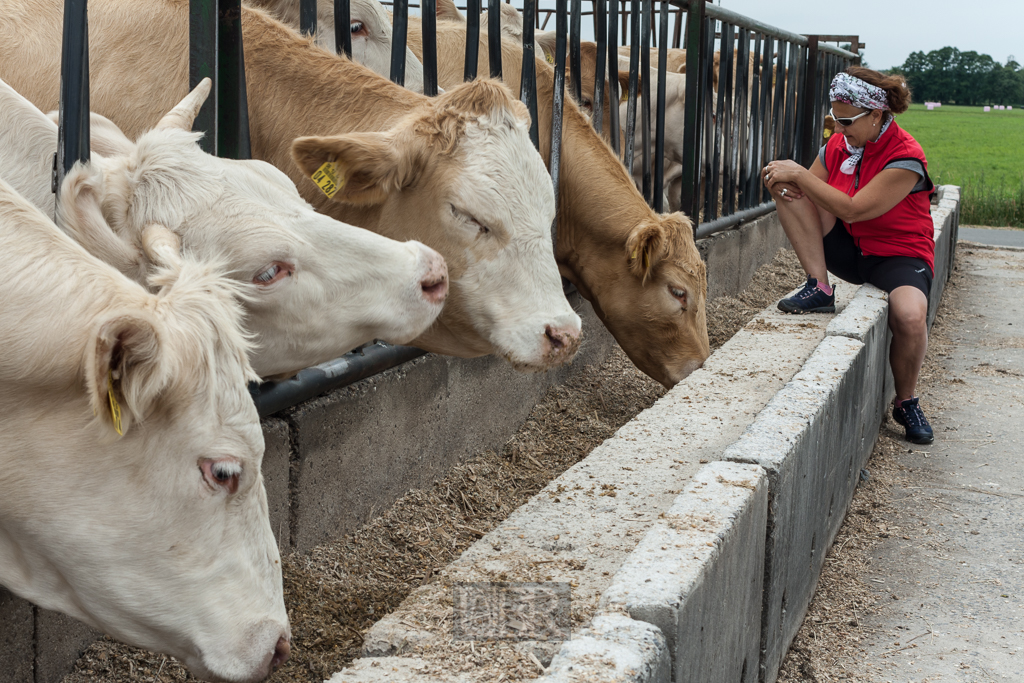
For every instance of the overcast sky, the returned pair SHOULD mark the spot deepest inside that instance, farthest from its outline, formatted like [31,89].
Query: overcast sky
[892,29]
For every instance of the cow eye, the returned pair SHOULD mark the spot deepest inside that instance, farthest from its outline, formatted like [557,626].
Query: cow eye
[221,474]
[356,27]
[679,294]
[275,272]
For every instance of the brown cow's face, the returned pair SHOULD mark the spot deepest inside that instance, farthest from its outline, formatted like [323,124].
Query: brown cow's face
[654,303]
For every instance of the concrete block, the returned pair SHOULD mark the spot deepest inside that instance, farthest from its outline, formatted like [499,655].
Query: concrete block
[60,641]
[357,450]
[396,670]
[697,575]
[276,468]
[733,256]
[614,649]
[17,638]
[722,255]
[808,439]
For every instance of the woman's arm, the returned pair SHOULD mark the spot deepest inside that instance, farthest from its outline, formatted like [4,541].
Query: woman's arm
[886,190]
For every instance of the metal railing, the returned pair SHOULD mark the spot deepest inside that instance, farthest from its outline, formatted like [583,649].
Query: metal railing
[769,103]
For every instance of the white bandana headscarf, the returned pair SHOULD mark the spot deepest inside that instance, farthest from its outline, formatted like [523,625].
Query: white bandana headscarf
[858,93]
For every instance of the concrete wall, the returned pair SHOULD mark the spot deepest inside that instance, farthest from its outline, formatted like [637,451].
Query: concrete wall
[335,462]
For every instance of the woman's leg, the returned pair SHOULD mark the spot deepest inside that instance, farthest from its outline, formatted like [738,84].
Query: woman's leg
[908,320]
[805,226]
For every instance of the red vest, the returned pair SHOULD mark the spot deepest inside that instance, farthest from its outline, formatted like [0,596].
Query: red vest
[904,230]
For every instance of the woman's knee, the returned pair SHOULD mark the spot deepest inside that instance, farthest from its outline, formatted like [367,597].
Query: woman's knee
[909,317]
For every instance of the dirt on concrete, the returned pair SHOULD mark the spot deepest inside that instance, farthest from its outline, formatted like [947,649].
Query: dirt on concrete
[339,589]
[924,580]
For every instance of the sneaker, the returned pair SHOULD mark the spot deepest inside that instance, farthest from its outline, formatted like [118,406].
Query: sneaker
[909,414]
[810,299]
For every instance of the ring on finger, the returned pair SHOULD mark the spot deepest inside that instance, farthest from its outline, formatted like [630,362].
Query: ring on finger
[784,191]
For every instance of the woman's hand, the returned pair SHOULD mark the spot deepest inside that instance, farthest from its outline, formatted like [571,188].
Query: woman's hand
[785,191]
[783,171]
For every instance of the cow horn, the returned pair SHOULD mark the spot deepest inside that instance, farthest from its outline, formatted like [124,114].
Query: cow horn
[186,111]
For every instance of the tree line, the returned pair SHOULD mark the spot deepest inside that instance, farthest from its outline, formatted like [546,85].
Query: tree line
[955,77]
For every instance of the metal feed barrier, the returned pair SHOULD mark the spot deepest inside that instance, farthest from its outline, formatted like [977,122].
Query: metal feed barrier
[770,103]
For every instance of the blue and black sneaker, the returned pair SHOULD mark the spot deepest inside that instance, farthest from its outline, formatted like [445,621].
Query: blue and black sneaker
[909,414]
[810,299]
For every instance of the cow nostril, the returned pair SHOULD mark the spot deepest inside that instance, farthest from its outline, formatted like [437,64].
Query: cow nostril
[435,287]
[557,342]
[282,651]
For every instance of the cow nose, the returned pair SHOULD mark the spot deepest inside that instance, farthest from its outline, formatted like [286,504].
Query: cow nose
[562,340]
[434,282]
[282,651]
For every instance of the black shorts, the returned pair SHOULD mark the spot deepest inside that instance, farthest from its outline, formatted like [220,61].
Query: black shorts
[845,260]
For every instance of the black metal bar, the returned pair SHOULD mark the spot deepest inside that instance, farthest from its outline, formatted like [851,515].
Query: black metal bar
[73,117]
[273,397]
[798,110]
[754,165]
[743,118]
[575,77]
[472,39]
[725,82]
[789,121]
[601,37]
[307,17]
[765,109]
[659,124]
[429,19]
[708,92]
[714,178]
[613,75]
[694,110]
[202,63]
[343,27]
[494,37]
[779,103]
[635,47]
[399,37]
[677,29]
[736,219]
[528,76]
[645,99]
[808,104]
[232,101]
[558,104]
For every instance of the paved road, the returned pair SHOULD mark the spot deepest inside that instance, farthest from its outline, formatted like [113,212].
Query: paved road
[994,236]
[954,579]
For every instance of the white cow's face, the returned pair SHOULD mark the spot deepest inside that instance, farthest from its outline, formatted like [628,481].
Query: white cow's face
[467,165]
[317,287]
[161,537]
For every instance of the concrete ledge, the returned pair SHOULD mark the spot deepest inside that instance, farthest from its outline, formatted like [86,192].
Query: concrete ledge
[614,649]
[734,256]
[697,575]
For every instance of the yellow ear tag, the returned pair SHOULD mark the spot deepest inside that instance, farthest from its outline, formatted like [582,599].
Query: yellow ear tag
[633,257]
[115,409]
[625,95]
[548,58]
[647,260]
[326,178]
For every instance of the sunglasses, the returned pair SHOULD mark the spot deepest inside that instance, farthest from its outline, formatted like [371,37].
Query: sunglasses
[847,122]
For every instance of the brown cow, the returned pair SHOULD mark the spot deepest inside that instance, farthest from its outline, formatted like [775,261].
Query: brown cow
[641,270]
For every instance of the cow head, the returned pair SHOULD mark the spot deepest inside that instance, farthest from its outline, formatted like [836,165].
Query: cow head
[316,287]
[131,496]
[462,167]
[652,298]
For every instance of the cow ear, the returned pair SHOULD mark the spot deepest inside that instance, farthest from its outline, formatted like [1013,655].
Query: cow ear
[547,41]
[624,85]
[446,9]
[359,168]
[645,247]
[123,369]
[80,214]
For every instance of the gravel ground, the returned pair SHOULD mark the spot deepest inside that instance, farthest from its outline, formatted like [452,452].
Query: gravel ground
[836,627]
[342,588]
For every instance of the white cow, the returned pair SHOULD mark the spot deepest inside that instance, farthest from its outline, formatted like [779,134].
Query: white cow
[317,287]
[160,537]
[372,36]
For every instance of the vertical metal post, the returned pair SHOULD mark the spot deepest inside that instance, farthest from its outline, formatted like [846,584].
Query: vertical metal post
[659,124]
[472,39]
[743,117]
[694,115]
[343,27]
[754,163]
[645,100]
[635,47]
[400,31]
[73,121]
[203,39]
[575,83]
[613,75]
[558,104]
[494,37]
[808,102]
[601,36]
[232,101]
[765,110]
[779,111]
[727,170]
[428,13]
[528,77]
[789,121]
[307,17]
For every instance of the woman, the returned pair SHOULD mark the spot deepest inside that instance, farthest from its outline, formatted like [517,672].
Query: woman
[862,211]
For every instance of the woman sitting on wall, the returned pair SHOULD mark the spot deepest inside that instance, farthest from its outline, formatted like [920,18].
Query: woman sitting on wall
[862,211]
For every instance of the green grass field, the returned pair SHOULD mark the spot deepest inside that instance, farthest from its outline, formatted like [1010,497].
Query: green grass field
[980,151]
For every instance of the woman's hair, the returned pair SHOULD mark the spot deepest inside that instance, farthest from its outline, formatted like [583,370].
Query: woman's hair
[896,89]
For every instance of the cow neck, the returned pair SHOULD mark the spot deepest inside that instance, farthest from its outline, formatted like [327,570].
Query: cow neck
[598,204]
[296,89]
